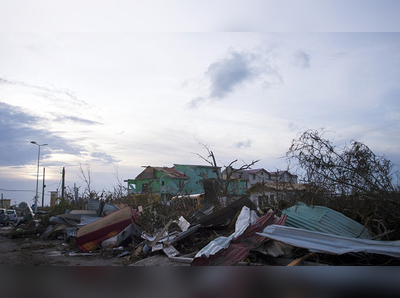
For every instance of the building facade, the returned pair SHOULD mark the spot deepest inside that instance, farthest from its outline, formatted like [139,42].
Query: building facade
[197,175]
[5,203]
[259,176]
[164,181]
[169,182]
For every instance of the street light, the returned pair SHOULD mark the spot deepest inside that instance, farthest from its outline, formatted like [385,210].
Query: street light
[37,174]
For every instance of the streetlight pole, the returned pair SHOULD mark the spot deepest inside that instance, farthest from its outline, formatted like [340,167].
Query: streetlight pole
[37,173]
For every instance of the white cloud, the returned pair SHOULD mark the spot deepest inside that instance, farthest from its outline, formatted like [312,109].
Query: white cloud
[225,75]
[302,59]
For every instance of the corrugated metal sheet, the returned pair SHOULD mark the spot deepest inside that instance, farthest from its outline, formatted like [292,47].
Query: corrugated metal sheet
[333,244]
[225,251]
[94,205]
[223,216]
[325,220]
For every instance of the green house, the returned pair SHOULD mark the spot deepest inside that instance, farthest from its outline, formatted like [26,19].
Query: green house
[236,187]
[164,181]
[180,180]
[197,174]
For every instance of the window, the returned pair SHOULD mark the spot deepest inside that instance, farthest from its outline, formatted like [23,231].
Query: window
[145,187]
[260,202]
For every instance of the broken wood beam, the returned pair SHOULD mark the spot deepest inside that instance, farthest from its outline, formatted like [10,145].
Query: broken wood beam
[181,259]
[299,260]
[161,233]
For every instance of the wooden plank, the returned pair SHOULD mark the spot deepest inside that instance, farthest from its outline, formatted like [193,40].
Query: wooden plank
[137,251]
[299,260]
[181,259]
[160,234]
[170,251]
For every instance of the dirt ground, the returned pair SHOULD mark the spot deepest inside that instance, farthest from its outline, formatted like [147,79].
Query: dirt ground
[31,251]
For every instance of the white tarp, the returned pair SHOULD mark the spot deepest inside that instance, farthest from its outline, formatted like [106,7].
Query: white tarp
[245,218]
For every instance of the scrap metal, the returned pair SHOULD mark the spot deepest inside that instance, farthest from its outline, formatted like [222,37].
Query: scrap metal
[329,243]
[225,251]
[324,219]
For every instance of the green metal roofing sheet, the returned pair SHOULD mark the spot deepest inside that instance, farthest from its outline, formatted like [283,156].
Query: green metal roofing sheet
[325,220]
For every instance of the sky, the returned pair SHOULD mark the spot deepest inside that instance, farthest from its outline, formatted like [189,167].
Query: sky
[121,97]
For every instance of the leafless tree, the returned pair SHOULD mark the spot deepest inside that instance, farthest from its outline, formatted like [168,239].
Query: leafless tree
[210,160]
[86,176]
[231,173]
[119,189]
[353,177]
[351,169]
[229,169]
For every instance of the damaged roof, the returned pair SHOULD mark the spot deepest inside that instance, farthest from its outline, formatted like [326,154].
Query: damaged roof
[150,173]
[325,220]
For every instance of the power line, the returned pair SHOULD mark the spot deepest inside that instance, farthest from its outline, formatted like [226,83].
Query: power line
[21,190]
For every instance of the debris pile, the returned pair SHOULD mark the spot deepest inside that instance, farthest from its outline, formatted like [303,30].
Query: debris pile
[237,234]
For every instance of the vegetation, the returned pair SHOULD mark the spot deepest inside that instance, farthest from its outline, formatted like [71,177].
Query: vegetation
[61,206]
[350,179]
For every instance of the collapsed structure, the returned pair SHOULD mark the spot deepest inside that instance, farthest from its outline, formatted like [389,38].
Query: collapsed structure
[236,234]
[198,216]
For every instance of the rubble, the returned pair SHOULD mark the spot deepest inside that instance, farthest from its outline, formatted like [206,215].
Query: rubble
[237,234]
[323,219]
[233,249]
[90,236]
[330,243]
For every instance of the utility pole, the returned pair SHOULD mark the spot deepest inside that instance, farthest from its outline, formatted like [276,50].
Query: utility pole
[37,175]
[44,185]
[2,201]
[63,183]
[76,194]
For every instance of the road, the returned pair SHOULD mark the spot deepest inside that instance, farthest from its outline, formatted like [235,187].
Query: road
[36,252]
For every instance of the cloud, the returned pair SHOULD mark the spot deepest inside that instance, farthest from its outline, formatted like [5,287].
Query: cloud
[302,59]
[195,103]
[228,73]
[17,131]
[244,144]
[18,128]
[77,120]
[103,158]
[59,95]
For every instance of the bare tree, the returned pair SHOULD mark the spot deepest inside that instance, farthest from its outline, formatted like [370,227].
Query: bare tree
[119,188]
[348,170]
[86,176]
[355,180]
[212,162]
[229,170]
[231,173]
